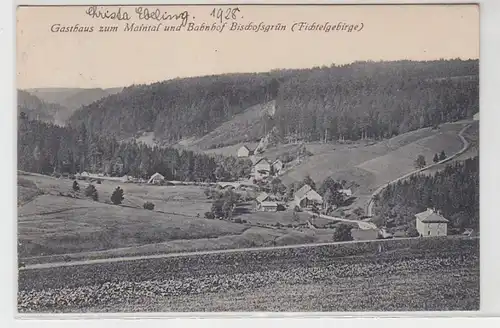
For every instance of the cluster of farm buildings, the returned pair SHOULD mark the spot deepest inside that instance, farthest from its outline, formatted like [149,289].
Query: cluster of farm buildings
[429,223]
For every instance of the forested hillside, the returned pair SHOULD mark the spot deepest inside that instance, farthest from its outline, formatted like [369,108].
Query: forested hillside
[47,148]
[376,100]
[454,191]
[361,100]
[177,108]
[34,108]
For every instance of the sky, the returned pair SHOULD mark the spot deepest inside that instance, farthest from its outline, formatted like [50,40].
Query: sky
[101,60]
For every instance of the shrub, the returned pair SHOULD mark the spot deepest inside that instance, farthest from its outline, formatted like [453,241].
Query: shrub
[238,220]
[412,232]
[117,196]
[76,186]
[209,215]
[149,206]
[98,181]
[342,233]
[91,191]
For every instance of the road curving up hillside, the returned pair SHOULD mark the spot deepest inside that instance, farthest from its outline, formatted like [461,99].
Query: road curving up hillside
[465,146]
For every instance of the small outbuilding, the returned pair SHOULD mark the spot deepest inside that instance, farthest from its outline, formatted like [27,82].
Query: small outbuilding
[156,178]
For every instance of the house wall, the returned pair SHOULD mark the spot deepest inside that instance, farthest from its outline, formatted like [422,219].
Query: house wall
[432,229]
[243,152]
[263,166]
[269,208]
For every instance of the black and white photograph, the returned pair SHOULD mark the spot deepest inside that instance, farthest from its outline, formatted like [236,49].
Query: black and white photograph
[247,158]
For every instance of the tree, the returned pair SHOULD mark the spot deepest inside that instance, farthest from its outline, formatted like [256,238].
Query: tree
[442,156]
[76,186]
[342,232]
[436,158]
[412,231]
[117,196]
[359,212]
[277,187]
[91,191]
[420,162]
[309,181]
[148,206]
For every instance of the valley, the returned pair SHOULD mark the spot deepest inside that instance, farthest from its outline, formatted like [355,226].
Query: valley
[202,193]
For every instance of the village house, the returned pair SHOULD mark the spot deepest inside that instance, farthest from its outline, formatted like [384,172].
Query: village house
[156,178]
[277,166]
[244,151]
[364,234]
[269,206]
[431,223]
[265,203]
[261,169]
[305,197]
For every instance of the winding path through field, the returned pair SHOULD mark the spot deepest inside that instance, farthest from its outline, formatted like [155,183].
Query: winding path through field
[381,188]
[361,224]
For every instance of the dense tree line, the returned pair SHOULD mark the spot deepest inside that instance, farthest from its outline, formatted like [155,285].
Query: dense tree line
[361,100]
[47,148]
[454,191]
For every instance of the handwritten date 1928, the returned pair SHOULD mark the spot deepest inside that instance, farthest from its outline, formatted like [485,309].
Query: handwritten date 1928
[225,14]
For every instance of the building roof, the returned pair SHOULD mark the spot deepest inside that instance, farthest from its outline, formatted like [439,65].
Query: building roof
[312,194]
[157,175]
[269,204]
[277,161]
[245,147]
[301,193]
[430,216]
[262,197]
[261,160]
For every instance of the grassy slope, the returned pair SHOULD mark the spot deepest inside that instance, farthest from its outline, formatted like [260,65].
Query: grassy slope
[415,274]
[245,127]
[372,165]
[51,225]
[472,136]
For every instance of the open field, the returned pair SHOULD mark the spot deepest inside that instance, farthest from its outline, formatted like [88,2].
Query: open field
[392,275]
[52,226]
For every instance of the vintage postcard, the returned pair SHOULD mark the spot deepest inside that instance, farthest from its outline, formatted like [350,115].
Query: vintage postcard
[248,158]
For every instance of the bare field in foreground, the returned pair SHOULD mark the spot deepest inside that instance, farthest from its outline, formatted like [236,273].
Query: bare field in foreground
[396,275]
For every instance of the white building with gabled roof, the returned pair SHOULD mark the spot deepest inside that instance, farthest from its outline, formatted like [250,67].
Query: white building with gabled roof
[306,197]
[431,223]
[243,151]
